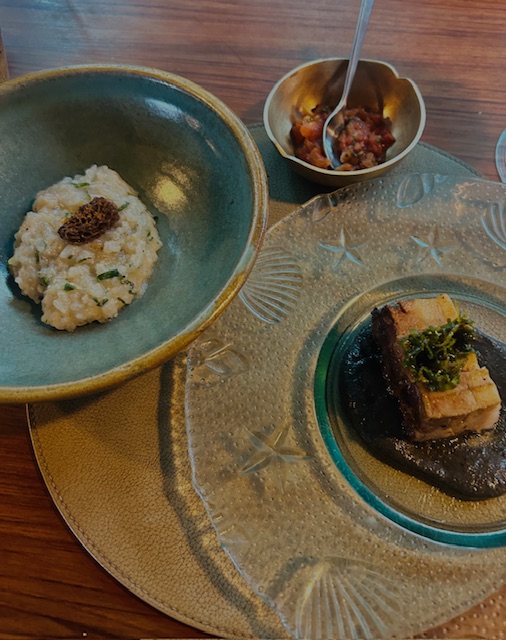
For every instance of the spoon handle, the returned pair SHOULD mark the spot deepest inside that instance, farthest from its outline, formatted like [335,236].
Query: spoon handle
[335,121]
[362,23]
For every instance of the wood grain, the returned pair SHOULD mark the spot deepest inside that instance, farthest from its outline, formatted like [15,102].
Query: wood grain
[4,66]
[237,49]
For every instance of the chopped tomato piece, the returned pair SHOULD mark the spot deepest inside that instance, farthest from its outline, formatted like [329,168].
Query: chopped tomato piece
[363,142]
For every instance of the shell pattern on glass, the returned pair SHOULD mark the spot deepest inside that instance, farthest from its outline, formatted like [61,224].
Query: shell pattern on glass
[329,562]
[272,290]
[415,186]
[346,599]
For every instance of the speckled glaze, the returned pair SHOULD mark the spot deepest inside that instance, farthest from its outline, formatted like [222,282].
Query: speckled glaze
[197,169]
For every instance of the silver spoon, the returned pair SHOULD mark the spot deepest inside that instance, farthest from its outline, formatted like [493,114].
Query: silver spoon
[335,121]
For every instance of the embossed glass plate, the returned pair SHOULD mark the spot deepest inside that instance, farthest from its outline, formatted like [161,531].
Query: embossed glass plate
[341,544]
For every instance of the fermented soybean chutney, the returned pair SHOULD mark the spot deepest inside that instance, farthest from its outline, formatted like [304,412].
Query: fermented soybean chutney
[362,143]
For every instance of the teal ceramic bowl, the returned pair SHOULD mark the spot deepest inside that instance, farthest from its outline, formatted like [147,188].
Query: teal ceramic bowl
[197,169]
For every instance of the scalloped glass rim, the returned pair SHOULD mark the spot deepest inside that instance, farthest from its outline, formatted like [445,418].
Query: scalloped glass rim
[322,382]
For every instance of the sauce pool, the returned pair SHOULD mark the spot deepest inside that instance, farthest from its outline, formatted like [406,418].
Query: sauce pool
[471,466]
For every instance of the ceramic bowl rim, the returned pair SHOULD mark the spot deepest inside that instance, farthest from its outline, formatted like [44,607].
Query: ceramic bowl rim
[258,223]
[365,173]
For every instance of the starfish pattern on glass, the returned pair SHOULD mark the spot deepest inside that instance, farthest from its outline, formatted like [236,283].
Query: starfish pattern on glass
[270,451]
[345,249]
[431,247]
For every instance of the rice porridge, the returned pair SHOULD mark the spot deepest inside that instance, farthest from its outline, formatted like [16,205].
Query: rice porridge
[87,249]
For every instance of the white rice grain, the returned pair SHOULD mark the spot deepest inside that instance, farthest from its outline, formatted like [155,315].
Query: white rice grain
[80,283]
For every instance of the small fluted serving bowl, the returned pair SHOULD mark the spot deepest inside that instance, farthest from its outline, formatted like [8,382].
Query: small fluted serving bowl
[196,168]
[320,82]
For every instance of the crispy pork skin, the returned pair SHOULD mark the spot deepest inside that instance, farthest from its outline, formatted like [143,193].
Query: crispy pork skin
[473,405]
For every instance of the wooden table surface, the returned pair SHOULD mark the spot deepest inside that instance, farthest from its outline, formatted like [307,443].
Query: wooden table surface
[454,50]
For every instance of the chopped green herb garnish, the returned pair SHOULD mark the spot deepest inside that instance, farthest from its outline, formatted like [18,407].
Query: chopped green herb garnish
[100,303]
[80,185]
[121,300]
[44,281]
[84,259]
[68,215]
[436,355]
[37,256]
[69,286]
[129,284]
[123,206]
[113,273]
